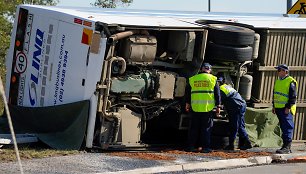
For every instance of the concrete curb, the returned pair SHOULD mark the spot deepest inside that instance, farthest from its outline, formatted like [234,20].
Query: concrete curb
[285,157]
[220,164]
[210,165]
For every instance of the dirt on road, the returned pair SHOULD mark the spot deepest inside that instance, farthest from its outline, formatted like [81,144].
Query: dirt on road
[170,154]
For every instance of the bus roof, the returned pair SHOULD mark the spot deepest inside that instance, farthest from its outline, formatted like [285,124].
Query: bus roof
[175,18]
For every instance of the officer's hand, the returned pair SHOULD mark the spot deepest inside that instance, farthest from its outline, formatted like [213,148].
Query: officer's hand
[187,107]
[218,111]
[287,111]
[273,110]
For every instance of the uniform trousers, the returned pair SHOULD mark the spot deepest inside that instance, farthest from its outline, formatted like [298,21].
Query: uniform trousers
[237,123]
[286,124]
[200,129]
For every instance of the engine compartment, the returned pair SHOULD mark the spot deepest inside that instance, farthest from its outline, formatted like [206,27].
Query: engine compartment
[144,77]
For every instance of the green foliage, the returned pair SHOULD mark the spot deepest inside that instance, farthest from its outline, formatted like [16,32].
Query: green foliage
[7,9]
[112,3]
[5,30]
[41,2]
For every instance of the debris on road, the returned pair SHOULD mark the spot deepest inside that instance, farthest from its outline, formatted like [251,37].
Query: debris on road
[171,154]
[143,155]
[224,154]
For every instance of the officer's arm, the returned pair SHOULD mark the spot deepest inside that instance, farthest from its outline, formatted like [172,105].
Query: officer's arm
[217,95]
[292,95]
[188,93]
[187,97]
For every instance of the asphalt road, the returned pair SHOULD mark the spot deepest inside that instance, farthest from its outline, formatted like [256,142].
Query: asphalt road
[289,168]
[92,163]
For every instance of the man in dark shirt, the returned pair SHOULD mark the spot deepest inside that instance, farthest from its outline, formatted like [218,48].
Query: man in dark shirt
[235,107]
[202,96]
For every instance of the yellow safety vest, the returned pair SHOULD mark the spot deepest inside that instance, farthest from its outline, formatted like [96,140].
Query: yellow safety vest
[202,92]
[281,93]
[228,90]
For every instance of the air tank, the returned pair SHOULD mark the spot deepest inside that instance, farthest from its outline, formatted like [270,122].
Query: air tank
[256,46]
[245,86]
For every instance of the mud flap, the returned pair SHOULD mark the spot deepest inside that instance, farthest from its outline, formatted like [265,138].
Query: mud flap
[61,127]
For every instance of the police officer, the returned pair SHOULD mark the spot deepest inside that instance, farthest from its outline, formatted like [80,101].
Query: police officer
[235,107]
[202,95]
[284,105]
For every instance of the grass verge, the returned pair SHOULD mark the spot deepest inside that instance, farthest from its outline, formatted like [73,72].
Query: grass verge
[7,154]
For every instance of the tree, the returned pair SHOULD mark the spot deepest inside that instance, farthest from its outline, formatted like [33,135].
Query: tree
[112,3]
[7,9]
[40,2]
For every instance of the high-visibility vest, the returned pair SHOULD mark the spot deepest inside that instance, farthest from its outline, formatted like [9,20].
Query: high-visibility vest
[281,93]
[228,90]
[202,92]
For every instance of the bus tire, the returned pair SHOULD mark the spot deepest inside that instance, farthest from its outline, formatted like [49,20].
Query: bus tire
[217,52]
[230,35]
[220,128]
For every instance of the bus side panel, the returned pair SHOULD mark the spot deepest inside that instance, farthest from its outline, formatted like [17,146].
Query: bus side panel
[39,49]
[69,65]
[95,64]
[27,58]
[46,61]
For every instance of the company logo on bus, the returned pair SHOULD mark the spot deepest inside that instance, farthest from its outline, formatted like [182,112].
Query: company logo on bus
[36,67]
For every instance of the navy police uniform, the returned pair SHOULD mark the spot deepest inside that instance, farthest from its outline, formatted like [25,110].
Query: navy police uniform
[235,107]
[202,103]
[284,97]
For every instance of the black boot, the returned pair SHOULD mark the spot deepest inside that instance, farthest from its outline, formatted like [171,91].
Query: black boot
[240,142]
[191,149]
[244,144]
[286,148]
[230,147]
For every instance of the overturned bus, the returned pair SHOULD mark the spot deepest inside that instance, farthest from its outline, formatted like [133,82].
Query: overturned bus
[116,78]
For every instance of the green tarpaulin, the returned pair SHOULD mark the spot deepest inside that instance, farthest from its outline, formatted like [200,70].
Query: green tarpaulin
[263,128]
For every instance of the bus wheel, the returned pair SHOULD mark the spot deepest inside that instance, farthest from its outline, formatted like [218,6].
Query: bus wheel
[230,35]
[217,52]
